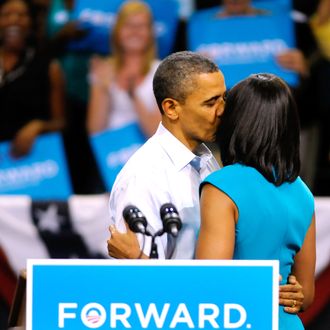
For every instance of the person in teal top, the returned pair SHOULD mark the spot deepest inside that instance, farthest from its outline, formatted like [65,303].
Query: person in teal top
[257,206]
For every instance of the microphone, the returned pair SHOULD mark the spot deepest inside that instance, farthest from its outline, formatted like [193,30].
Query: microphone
[171,219]
[135,219]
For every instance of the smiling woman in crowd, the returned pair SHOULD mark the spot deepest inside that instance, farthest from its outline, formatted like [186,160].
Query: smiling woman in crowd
[121,86]
[31,86]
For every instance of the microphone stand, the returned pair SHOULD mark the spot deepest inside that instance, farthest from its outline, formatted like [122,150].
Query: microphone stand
[154,247]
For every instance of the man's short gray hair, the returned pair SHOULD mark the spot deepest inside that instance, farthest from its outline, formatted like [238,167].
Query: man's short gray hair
[175,76]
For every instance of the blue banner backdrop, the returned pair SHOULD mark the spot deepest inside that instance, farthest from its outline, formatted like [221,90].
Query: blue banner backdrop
[113,148]
[99,16]
[42,174]
[178,294]
[245,45]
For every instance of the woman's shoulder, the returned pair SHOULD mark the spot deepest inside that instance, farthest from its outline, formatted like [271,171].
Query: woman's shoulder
[229,173]
[155,63]
[235,178]
[147,81]
[153,67]
[302,187]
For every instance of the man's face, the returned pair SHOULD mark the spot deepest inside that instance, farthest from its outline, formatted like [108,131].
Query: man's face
[199,115]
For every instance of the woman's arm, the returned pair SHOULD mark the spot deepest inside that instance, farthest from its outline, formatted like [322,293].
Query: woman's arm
[304,265]
[294,59]
[218,219]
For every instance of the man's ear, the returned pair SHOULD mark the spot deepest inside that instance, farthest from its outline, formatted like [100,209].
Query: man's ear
[171,108]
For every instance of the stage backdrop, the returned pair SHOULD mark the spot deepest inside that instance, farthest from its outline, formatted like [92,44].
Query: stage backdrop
[78,228]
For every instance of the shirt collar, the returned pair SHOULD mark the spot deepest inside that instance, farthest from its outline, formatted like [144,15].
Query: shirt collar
[179,154]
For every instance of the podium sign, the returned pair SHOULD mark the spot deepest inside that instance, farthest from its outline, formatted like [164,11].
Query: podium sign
[152,294]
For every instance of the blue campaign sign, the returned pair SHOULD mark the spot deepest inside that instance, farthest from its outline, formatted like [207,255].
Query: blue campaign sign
[272,2]
[42,174]
[165,25]
[245,45]
[99,16]
[112,149]
[153,294]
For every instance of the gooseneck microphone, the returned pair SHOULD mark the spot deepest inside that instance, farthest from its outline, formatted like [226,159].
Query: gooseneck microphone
[135,219]
[171,219]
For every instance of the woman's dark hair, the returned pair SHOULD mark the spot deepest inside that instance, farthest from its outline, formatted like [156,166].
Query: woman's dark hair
[260,128]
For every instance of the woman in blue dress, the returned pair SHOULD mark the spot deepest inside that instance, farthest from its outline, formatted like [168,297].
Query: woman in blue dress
[257,206]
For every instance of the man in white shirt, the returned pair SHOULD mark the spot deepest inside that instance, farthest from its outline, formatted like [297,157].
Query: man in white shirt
[190,93]
[160,171]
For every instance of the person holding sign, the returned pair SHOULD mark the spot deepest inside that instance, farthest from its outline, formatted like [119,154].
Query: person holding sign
[190,91]
[292,59]
[31,86]
[121,86]
[257,206]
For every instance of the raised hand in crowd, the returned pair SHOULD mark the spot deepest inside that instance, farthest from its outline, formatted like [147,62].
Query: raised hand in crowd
[71,31]
[294,59]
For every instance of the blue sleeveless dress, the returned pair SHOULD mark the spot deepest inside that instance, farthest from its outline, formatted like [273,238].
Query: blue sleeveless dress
[272,221]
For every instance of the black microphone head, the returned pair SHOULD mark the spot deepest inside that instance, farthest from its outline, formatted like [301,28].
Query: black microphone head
[135,219]
[171,219]
[166,209]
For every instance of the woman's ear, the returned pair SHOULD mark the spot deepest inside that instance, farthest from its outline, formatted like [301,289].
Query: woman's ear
[171,108]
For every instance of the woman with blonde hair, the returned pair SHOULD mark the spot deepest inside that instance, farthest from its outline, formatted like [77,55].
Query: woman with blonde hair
[121,85]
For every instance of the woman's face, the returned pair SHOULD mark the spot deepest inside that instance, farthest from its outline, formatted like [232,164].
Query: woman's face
[15,24]
[135,33]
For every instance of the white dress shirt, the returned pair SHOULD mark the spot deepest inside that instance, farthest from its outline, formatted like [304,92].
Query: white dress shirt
[158,173]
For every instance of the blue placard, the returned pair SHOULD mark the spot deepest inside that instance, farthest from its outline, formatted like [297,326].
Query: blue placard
[113,148]
[99,16]
[245,45]
[42,174]
[178,294]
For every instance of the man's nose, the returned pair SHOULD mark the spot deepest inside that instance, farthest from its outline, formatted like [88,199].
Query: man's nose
[220,109]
